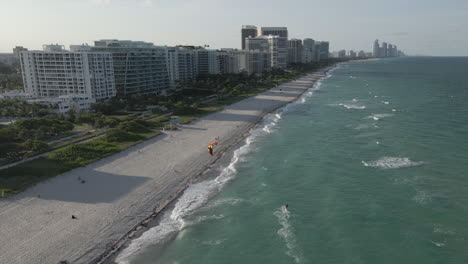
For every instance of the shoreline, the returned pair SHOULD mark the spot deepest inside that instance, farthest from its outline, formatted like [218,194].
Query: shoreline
[224,159]
[125,192]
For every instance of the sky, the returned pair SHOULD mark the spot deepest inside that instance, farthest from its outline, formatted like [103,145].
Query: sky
[418,27]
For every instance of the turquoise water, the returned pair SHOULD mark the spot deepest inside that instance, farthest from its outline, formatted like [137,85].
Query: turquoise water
[373,164]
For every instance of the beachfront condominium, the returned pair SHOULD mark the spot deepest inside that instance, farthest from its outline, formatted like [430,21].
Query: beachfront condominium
[205,61]
[54,72]
[321,50]
[308,50]
[247,31]
[277,46]
[274,31]
[229,60]
[139,67]
[255,61]
[180,64]
[295,50]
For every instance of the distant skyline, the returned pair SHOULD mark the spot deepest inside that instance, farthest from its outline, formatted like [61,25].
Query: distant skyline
[428,27]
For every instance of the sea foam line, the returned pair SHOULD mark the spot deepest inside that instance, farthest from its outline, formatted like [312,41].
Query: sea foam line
[286,232]
[196,195]
[392,163]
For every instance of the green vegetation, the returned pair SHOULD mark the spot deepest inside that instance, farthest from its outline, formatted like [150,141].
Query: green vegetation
[191,100]
[118,135]
[17,178]
[21,108]
[10,77]
[81,154]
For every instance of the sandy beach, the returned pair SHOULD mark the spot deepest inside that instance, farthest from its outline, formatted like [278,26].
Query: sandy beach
[127,189]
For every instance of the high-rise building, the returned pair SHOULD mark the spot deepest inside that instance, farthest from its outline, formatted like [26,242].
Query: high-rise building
[139,67]
[257,43]
[180,64]
[55,72]
[384,49]
[295,50]
[341,54]
[255,61]
[277,46]
[206,61]
[248,31]
[352,54]
[229,60]
[376,49]
[274,31]
[308,50]
[361,54]
[324,50]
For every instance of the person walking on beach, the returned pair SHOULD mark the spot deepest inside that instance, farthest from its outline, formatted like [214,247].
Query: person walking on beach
[210,149]
[211,146]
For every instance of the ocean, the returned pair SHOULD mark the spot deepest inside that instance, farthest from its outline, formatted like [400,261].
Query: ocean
[372,163]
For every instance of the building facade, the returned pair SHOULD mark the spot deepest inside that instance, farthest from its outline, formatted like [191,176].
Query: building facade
[205,61]
[229,61]
[139,67]
[55,72]
[376,49]
[255,61]
[277,46]
[274,31]
[295,51]
[180,63]
[247,31]
[308,50]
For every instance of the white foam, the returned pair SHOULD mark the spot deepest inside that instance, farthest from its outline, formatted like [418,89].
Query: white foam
[352,106]
[196,195]
[392,163]
[213,242]
[193,198]
[439,244]
[422,197]
[443,230]
[379,116]
[385,102]
[286,232]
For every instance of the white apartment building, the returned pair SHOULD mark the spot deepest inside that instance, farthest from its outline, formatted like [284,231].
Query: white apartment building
[295,50]
[229,60]
[277,46]
[180,64]
[308,50]
[205,61]
[54,72]
[255,61]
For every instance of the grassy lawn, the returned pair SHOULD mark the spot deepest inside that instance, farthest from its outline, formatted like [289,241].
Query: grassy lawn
[16,179]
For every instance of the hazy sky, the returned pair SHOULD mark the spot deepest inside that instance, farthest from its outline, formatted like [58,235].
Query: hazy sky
[430,27]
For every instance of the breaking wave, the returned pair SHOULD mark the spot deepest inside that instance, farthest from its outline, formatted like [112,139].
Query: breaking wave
[392,163]
[352,106]
[379,116]
[197,195]
[286,232]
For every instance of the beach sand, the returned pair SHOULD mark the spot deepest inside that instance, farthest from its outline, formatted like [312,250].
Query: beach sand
[127,189]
